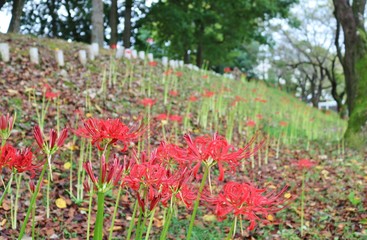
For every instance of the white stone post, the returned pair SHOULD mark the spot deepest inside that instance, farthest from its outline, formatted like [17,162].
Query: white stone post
[4,52]
[33,53]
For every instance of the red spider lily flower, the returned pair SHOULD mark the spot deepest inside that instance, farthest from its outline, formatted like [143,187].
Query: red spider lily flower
[246,200]
[51,95]
[259,116]
[55,141]
[150,41]
[108,131]
[162,117]
[6,125]
[179,74]
[208,94]
[205,76]
[111,173]
[168,72]
[251,123]
[283,124]
[148,102]
[304,163]
[227,70]
[177,187]
[113,46]
[173,93]
[193,98]
[153,63]
[214,150]
[22,161]
[7,156]
[175,118]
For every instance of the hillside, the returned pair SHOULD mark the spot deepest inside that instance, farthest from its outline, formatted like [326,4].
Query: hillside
[183,101]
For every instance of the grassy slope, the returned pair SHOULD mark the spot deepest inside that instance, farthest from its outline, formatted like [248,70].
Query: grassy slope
[115,88]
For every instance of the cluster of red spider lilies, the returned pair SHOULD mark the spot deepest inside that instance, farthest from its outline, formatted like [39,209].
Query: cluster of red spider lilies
[167,177]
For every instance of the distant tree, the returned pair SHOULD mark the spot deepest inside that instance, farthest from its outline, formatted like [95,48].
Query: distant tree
[73,24]
[350,16]
[126,38]
[16,13]
[113,23]
[209,29]
[97,22]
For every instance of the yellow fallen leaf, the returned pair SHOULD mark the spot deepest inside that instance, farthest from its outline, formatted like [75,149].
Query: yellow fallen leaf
[319,167]
[209,218]
[61,203]
[67,165]
[287,195]
[270,218]
[2,223]
[89,115]
[12,92]
[115,228]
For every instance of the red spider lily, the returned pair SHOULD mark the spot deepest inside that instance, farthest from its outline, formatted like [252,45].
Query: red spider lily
[283,124]
[205,76]
[177,186]
[7,155]
[260,100]
[193,98]
[55,141]
[113,46]
[6,125]
[173,93]
[175,118]
[243,199]
[111,173]
[107,132]
[148,102]
[251,123]
[51,95]
[259,116]
[168,72]
[162,117]
[153,63]
[211,151]
[179,74]
[18,160]
[227,70]
[208,94]
[304,163]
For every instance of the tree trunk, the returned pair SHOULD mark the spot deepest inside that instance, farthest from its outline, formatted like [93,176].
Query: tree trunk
[97,22]
[127,26]
[354,66]
[113,23]
[16,12]
[186,57]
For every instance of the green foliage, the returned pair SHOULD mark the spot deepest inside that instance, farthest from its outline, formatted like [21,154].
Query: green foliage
[209,28]
[353,199]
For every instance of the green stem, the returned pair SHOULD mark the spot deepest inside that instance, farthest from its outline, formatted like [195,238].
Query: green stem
[6,189]
[48,195]
[302,201]
[89,209]
[18,180]
[33,200]
[98,226]
[232,231]
[132,221]
[150,224]
[33,223]
[115,212]
[196,204]
[167,223]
